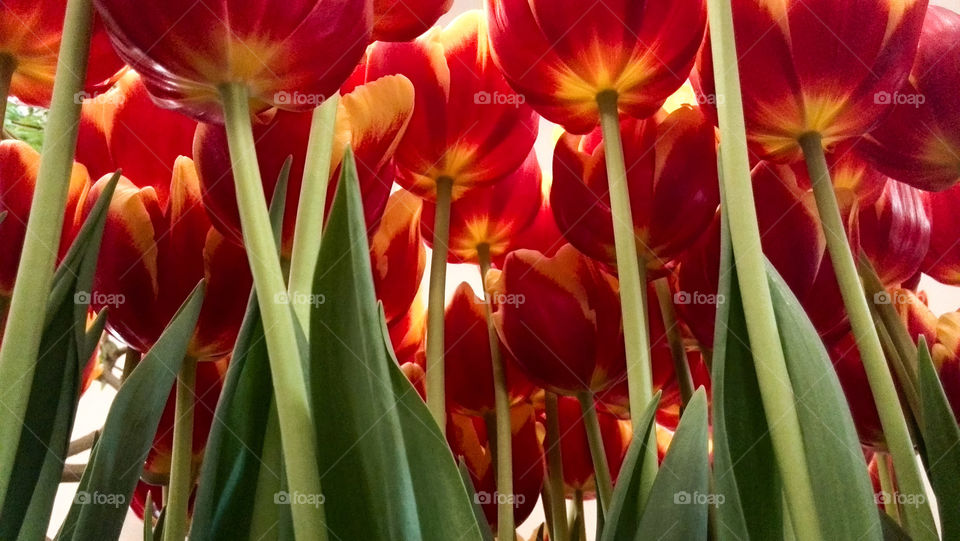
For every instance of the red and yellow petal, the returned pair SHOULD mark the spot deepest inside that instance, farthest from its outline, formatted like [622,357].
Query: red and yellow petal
[404,20]
[397,256]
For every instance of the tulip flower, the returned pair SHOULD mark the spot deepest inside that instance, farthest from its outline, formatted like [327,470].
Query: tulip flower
[469,374]
[138,502]
[18,176]
[185,50]
[140,138]
[397,256]
[371,119]
[918,143]
[490,218]
[469,441]
[946,358]
[407,334]
[404,20]
[894,233]
[152,258]
[30,34]
[578,471]
[671,176]
[942,261]
[541,235]
[915,314]
[468,130]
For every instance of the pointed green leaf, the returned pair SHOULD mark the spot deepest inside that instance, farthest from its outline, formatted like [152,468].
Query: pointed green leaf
[941,438]
[117,460]
[485,529]
[382,457]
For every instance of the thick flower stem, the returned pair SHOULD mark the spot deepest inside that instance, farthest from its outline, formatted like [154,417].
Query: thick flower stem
[27,313]
[8,65]
[551,443]
[181,461]
[601,469]
[681,366]
[310,212]
[293,405]
[436,304]
[779,402]
[917,519]
[501,399]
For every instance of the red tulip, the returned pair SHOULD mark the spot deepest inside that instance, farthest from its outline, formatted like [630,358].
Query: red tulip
[542,235]
[468,440]
[397,256]
[408,332]
[30,33]
[943,259]
[152,258]
[672,178]
[856,388]
[492,216]
[137,136]
[138,502]
[575,450]
[469,369]
[560,318]
[946,357]
[561,54]
[289,55]
[210,378]
[18,177]
[894,232]
[371,119]
[817,66]
[404,20]
[915,314]
[919,142]
[467,125]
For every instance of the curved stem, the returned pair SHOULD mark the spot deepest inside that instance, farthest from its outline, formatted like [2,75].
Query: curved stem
[293,406]
[8,66]
[917,519]
[601,470]
[436,304]
[27,313]
[181,461]
[779,402]
[681,366]
[506,528]
[310,211]
[559,529]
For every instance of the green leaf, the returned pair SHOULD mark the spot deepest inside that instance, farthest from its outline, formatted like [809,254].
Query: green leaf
[224,503]
[387,470]
[626,508]
[65,348]
[677,507]
[485,529]
[117,460]
[744,467]
[941,438]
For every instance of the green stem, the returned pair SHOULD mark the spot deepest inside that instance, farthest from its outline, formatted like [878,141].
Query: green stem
[579,518]
[293,406]
[8,66]
[310,212]
[680,364]
[181,461]
[601,470]
[887,487]
[436,304]
[18,353]
[501,399]
[895,326]
[896,362]
[559,529]
[917,519]
[779,402]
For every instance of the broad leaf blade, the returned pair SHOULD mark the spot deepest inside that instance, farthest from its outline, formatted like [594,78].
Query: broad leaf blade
[382,457]
[117,460]
[941,438]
